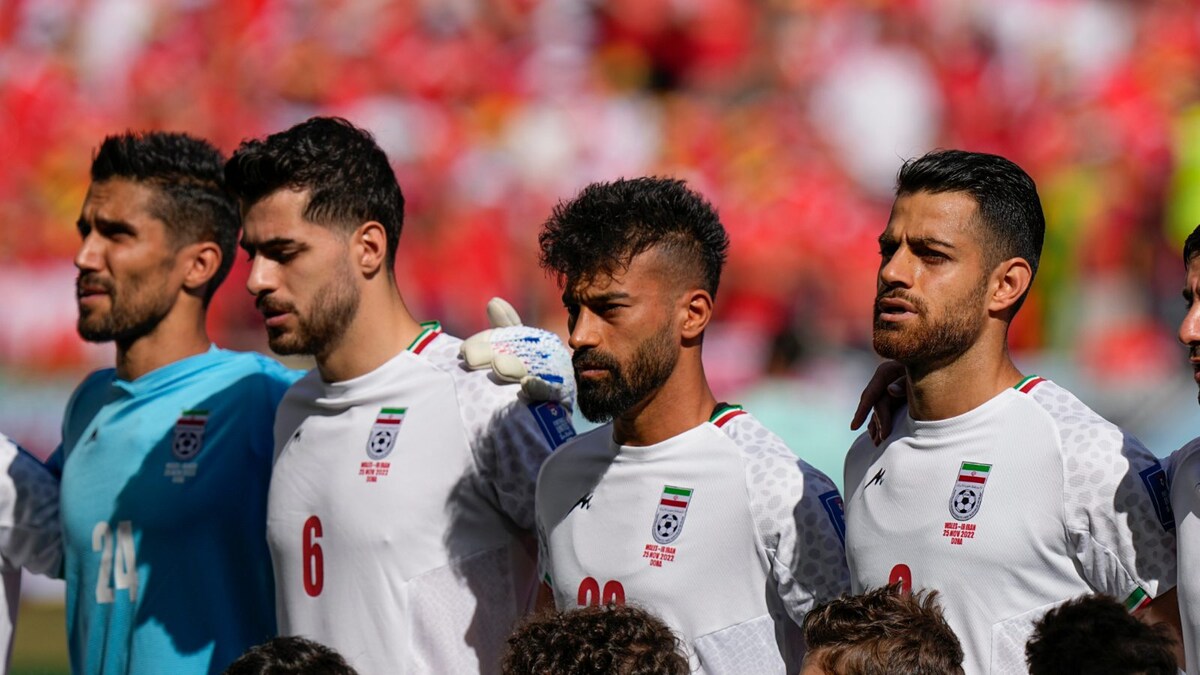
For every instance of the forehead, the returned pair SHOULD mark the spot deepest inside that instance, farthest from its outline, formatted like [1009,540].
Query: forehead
[280,215]
[645,274]
[946,216]
[119,200]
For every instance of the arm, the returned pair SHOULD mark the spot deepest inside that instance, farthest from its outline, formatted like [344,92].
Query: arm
[1164,611]
[883,395]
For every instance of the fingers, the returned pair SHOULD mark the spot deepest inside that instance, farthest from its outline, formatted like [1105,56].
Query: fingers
[501,314]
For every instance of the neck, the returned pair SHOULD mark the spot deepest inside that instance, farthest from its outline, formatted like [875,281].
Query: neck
[683,403]
[179,335]
[962,384]
[382,328]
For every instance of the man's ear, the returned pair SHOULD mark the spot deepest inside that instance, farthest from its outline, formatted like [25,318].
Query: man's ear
[369,246]
[699,309]
[203,260]
[1010,280]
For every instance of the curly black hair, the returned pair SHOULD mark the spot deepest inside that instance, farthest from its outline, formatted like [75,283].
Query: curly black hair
[1096,635]
[604,640]
[1191,247]
[290,655]
[187,176]
[607,224]
[883,632]
[1010,210]
[347,175]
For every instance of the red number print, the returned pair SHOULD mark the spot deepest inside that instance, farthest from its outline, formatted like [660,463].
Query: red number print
[589,593]
[902,575]
[314,559]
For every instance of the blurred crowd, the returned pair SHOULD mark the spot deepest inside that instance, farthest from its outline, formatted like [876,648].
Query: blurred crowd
[792,116]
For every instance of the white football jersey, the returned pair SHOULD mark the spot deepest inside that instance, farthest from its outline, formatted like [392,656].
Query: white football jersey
[30,534]
[720,531]
[400,513]
[1008,510]
[1184,467]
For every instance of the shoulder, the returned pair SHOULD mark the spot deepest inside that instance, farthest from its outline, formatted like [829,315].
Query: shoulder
[770,465]
[253,363]
[588,444]
[1185,462]
[89,395]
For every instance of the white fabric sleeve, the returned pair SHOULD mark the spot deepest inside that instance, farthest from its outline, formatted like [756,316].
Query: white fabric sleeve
[30,532]
[1116,502]
[797,513]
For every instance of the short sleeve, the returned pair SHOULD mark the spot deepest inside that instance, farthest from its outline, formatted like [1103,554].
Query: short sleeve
[30,532]
[798,516]
[510,453]
[1117,504]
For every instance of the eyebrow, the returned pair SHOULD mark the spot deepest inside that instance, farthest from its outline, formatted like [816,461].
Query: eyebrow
[596,299]
[917,241]
[272,243]
[102,222]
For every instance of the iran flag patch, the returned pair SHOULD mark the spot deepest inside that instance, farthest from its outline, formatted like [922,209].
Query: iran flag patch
[672,508]
[189,434]
[384,432]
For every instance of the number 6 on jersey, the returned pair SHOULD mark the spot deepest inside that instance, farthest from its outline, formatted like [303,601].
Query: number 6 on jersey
[314,559]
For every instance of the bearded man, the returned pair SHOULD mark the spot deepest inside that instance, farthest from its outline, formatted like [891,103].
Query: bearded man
[1001,491]
[685,506]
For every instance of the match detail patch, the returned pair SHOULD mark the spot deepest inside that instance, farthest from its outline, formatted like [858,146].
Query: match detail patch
[1154,477]
[553,421]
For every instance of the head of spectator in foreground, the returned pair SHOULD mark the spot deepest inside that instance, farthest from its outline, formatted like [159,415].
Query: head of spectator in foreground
[604,640]
[322,216]
[157,235]
[1189,328]
[1096,635]
[881,632]
[957,257]
[639,261]
[290,656]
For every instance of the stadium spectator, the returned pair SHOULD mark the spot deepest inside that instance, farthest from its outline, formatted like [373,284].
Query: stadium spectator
[1095,635]
[165,459]
[734,570]
[389,422]
[290,655]
[594,640]
[958,256]
[1184,466]
[885,631]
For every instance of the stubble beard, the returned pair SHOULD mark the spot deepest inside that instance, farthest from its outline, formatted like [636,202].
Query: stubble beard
[926,343]
[600,400]
[317,333]
[135,309]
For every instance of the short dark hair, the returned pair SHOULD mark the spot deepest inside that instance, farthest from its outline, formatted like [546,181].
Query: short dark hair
[1191,247]
[290,655]
[1010,210]
[883,631]
[190,194]
[347,175]
[616,639]
[1096,635]
[607,224]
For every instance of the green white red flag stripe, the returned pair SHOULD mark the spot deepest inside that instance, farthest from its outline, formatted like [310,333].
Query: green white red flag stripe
[724,413]
[390,415]
[970,472]
[431,329]
[1137,600]
[677,497]
[193,417]
[1026,385]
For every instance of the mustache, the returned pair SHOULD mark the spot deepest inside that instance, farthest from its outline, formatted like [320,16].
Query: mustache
[92,279]
[899,294]
[590,359]
[266,303]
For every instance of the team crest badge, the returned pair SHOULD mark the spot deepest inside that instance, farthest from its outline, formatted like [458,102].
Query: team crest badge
[672,509]
[384,432]
[968,490]
[189,434]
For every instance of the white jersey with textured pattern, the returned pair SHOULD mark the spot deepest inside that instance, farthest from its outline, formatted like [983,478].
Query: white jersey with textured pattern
[401,511]
[720,531]
[1184,467]
[1008,510]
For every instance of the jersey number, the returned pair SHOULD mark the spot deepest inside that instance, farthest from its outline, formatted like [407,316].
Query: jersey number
[589,593]
[314,559]
[903,576]
[118,561]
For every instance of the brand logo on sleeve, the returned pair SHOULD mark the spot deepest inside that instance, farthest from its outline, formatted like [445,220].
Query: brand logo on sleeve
[1154,478]
[554,422]
[832,501]
[967,496]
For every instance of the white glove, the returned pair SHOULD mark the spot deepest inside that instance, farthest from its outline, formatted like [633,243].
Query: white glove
[535,358]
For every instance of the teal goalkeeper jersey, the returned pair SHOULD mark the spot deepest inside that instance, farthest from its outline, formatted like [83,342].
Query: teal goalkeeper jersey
[163,500]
